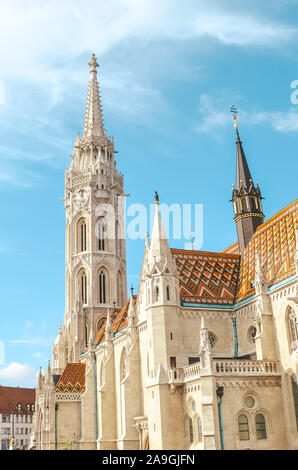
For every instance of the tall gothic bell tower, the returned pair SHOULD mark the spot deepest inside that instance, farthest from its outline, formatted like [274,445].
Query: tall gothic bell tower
[95,243]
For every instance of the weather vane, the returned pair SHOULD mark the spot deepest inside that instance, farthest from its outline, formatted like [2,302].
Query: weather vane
[234,110]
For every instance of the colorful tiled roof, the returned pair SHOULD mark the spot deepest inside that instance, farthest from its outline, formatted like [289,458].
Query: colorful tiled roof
[233,249]
[72,379]
[10,397]
[119,321]
[207,278]
[274,241]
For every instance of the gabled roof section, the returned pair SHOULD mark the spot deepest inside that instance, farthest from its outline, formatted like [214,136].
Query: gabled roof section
[207,278]
[10,397]
[72,379]
[274,242]
[119,321]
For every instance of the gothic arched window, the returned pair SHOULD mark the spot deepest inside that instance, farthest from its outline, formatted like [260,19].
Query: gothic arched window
[261,427]
[295,396]
[83,286]
[243,428]
[82,235]
[101,235]
[100,323]
[102,287]
[168,293]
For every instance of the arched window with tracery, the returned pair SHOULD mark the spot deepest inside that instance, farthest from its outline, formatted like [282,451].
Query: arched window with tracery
[261,426]
[243,428]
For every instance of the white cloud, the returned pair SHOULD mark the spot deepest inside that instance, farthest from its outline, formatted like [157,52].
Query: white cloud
[286,121]
[37,354]
[215,112]
[143,46]
[242,30]
[34,335]
[42,46]
[37,35]
[215,115]
[16,372]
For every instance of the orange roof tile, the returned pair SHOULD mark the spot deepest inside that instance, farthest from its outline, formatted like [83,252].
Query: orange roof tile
[119,321]
[274,241]
[233,249]
[72,379]
[207,277]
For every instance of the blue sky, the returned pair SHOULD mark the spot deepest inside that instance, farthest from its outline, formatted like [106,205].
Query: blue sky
[169,72]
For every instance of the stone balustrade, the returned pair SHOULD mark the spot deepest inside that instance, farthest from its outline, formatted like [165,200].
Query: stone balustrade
[182,375]
[176,375]
[246,368]
[192,371]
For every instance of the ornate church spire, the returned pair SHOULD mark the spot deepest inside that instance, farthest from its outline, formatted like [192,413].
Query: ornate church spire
[159,246]
[93,117]
[246,198]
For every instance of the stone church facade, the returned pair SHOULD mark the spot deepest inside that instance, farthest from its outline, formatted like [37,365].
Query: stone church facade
[205,356]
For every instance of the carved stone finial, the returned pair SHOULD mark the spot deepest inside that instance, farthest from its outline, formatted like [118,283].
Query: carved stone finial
[93,63]
[261,284]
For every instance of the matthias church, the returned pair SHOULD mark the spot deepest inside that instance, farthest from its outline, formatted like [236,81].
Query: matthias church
[203,356]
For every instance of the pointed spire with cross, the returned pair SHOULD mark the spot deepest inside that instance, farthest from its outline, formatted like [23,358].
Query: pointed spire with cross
[93,117]
[246,197]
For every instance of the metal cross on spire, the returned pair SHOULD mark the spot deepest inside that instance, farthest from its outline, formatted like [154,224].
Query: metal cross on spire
[234,111]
